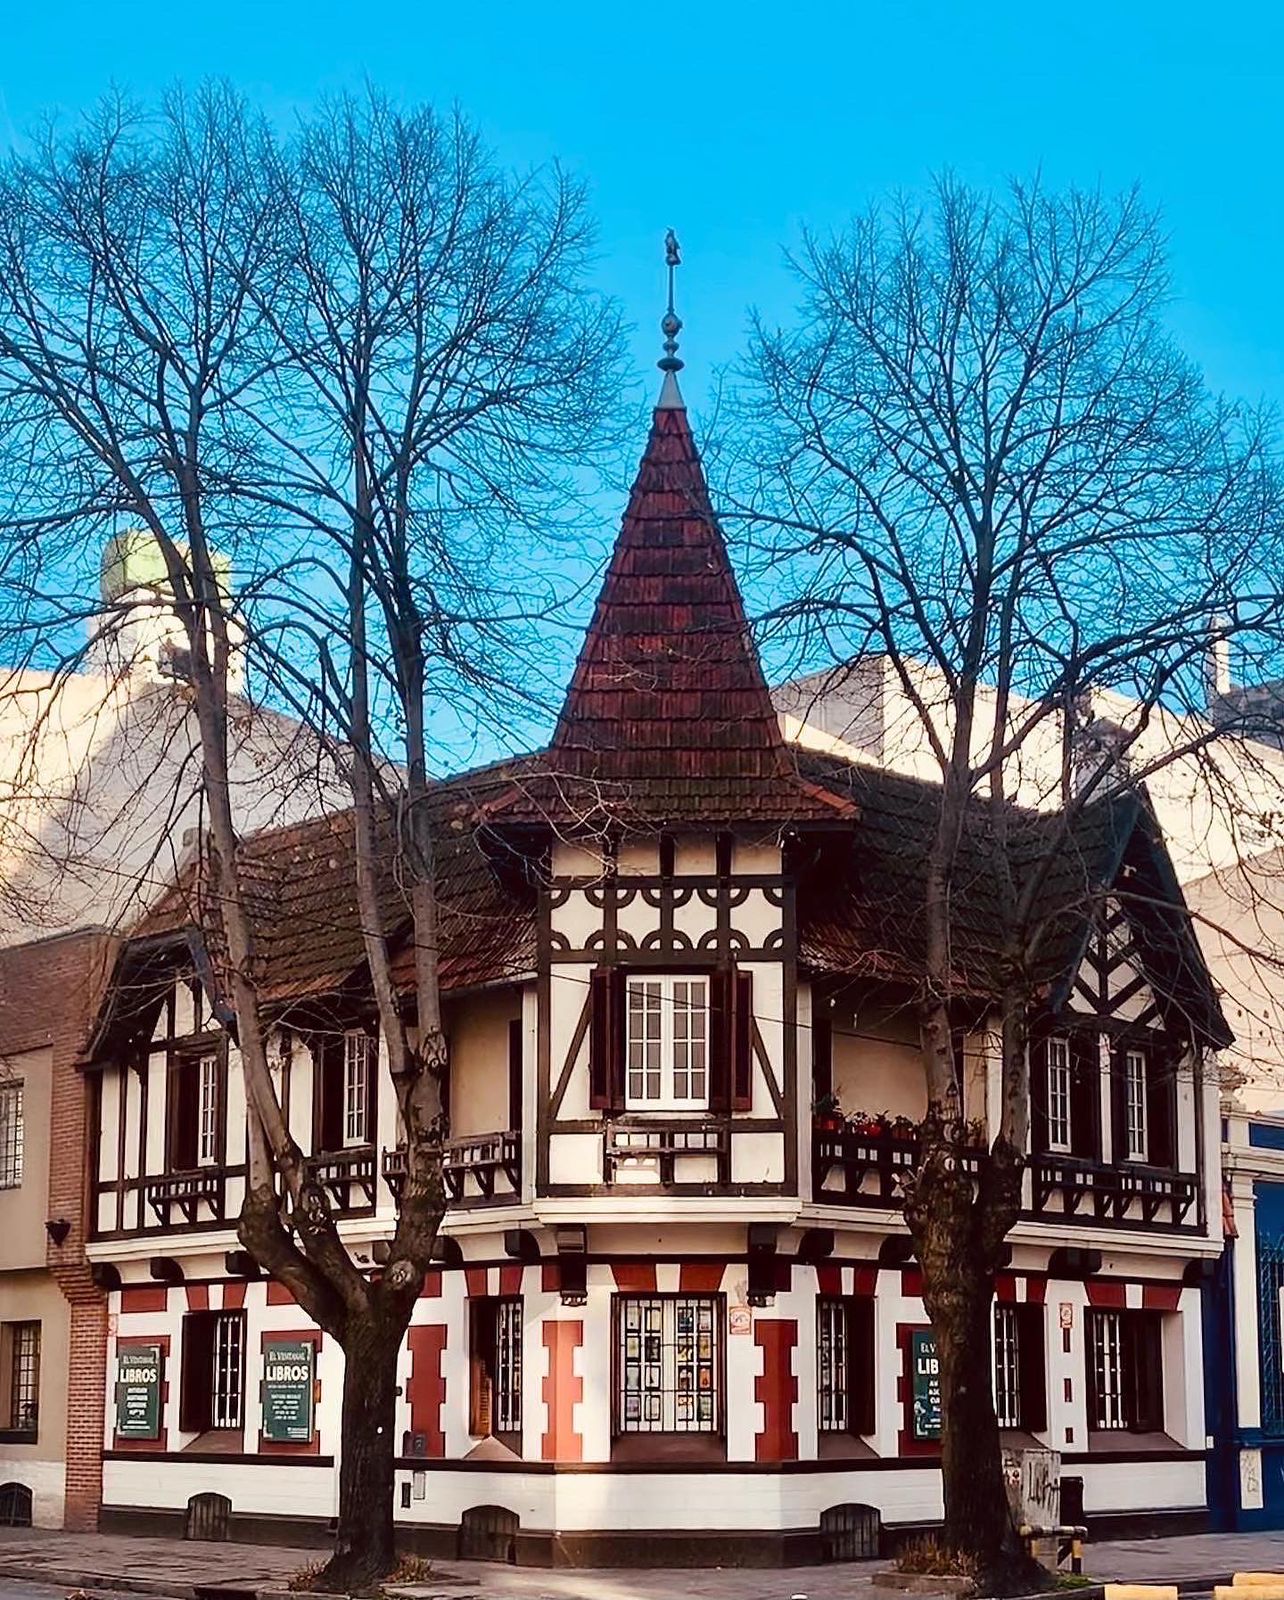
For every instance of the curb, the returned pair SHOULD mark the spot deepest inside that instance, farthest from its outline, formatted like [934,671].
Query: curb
[78,1578]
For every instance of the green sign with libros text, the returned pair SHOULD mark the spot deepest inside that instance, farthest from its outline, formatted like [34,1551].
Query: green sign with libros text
[926,1386]
[288,1372]
[140,1371]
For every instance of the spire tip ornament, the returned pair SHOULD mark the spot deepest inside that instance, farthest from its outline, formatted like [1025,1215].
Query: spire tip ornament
[670,363]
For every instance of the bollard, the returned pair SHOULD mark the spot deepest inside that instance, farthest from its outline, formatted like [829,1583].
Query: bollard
[1257,1580]
[1262,1590]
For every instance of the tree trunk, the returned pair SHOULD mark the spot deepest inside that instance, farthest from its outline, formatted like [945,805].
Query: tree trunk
[958,1222]
[364,1549]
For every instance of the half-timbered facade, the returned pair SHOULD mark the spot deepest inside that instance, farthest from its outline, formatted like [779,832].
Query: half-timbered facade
[675,1313]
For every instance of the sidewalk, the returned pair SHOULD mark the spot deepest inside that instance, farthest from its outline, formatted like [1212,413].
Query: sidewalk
[177,1568]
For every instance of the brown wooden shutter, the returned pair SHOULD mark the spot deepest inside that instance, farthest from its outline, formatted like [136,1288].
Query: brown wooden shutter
[741,984]
[606,1038]
[822,1049]
[720,1041]
[196,1386]
[1085,1094]
[1144,1371]
[861,1360]
[1039,1093]
[515,1074]
[183,1113]
[327,1064]
[1161,1108]
[481,1364]
[1032,1373]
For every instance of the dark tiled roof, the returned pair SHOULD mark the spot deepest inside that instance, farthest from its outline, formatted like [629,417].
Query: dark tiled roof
[668,717]
[300,886]
[867,920]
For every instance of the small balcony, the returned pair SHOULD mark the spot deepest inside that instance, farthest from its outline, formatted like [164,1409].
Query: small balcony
[480,1169]
[860,1161]
[667,1152]
[1090,1191]
[347,1176]
[195,1196]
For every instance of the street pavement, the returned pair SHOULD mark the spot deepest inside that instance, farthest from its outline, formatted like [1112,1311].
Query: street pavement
[40,1565]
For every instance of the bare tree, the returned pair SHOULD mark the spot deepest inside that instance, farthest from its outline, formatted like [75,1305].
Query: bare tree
[362,365]
[980,457]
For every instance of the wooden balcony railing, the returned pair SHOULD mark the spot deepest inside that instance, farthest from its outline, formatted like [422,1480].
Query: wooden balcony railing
[348,1175]
[477,1170]
[657,1152]
[186,1193]
[864,1169]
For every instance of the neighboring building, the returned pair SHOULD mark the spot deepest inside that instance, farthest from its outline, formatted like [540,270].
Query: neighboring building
[676,1315]
[53,1321]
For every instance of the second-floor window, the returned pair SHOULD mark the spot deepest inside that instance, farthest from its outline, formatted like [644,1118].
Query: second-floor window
[194,1116]
[10,1135]
[1136,1144]
[356,1087]
[667,1044]
[1060,1126]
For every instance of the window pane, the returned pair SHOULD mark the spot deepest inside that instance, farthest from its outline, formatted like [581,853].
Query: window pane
[667,1043]
[356,1081]
[833,1371]
[207,1124]
[1105,1338]
[10,1135]
[1135,1104]
[24,1379]
[508,1367]
[226,1396]
[1059,1094]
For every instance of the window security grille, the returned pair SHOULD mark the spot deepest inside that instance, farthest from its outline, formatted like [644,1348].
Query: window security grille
[833,1367]
[508,1366]
[10,1135]
[1107,1356]
[207,1148]
[24,1382]
[668,1365]
[1007,1367]
[227,1399]
[1059,1129]
[668,1044]
[356,1082]
[1135,1104]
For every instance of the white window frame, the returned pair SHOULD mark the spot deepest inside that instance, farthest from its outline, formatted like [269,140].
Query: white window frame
[11,1134]
[1106,1352]
[1007,1365]
[660,1378]
[664,1048]
[207,1111]
[506,1400]
[1135,1086]
[1059,1085]
[833,1365]
[356,1088]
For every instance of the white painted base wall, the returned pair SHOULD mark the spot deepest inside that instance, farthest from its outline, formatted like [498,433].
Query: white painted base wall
[47,1481]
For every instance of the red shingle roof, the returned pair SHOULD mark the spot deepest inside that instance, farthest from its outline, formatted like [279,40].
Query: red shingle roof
[668,717]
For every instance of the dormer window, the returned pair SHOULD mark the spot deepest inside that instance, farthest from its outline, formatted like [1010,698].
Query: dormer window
[667,1044]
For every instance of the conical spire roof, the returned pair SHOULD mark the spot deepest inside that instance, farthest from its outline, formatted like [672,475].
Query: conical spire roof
[668,719]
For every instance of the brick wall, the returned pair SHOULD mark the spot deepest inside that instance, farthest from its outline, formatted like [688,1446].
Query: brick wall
[74,970]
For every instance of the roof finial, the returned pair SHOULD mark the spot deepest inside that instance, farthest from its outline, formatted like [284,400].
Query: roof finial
[670,363]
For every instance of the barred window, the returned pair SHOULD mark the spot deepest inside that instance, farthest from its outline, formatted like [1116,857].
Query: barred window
[1007,1366]
[668,1353]
[213,1371]
[495,1338]
[845,1365]
[1125,1371]
[24,1377]
[10,1135]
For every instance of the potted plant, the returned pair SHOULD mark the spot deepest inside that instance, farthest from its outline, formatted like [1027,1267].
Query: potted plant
[827,1114]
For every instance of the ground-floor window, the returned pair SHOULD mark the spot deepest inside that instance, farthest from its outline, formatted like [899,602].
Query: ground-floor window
[213,1371]
[1125,1371]
[667,1363]
[845,1365]
[1020,1374]
[495,1366]
[20,1377]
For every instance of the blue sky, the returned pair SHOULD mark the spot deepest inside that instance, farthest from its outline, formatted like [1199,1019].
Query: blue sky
[738,123]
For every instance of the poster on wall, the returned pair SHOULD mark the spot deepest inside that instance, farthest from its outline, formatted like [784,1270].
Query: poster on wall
[139,1374]
[926,1369]
[288,1369]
